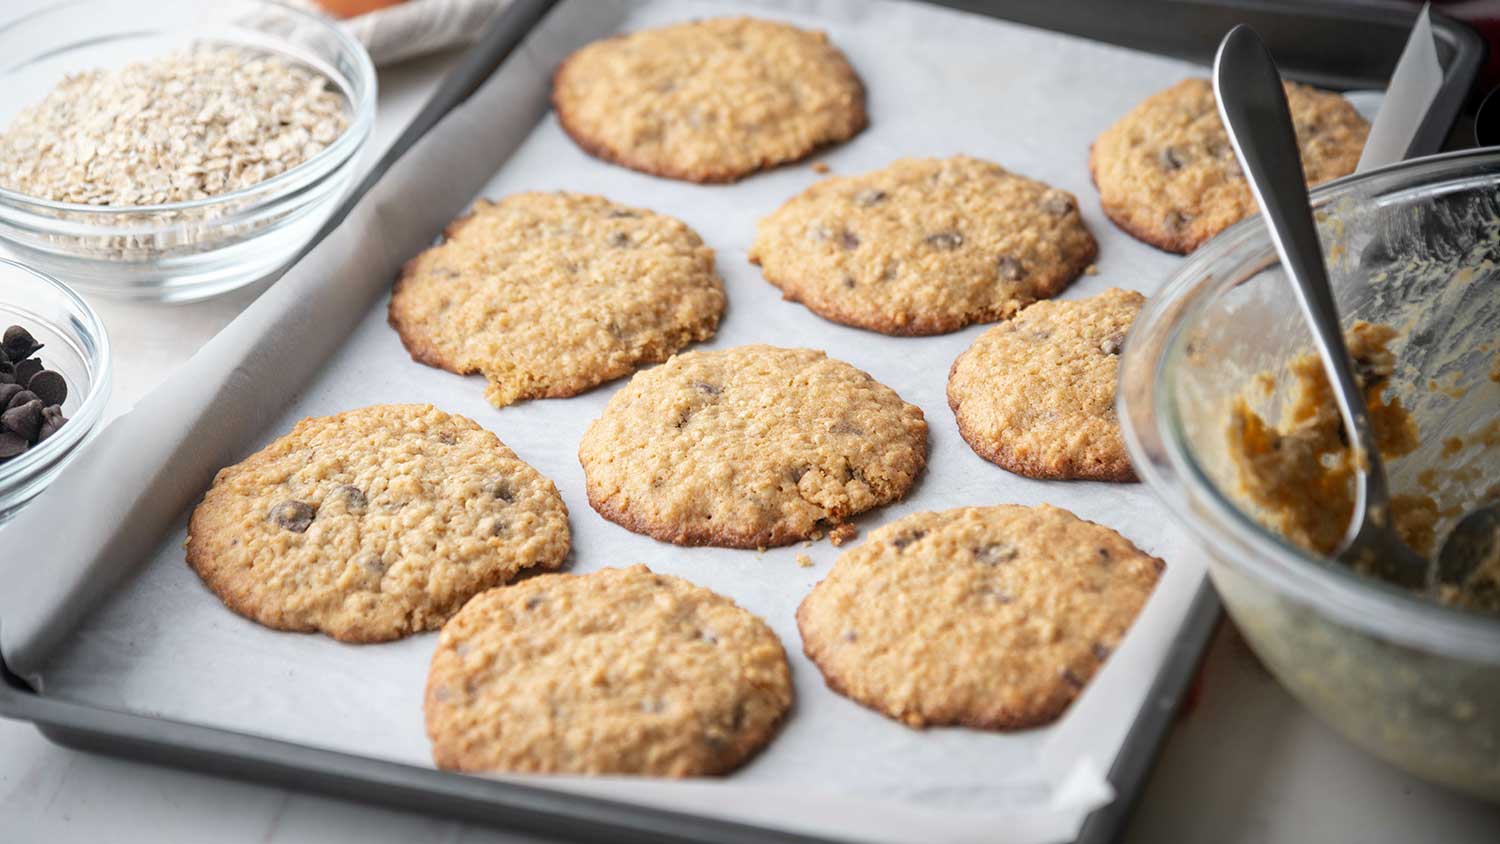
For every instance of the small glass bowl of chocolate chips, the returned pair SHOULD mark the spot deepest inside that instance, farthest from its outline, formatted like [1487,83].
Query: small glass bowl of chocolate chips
[54,381]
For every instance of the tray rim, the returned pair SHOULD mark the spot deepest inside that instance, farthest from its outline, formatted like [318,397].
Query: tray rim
[228,753]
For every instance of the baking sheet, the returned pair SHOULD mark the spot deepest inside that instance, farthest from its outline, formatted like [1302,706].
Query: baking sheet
[940,83]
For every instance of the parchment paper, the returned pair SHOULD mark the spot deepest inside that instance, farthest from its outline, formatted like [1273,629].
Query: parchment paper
[940,83]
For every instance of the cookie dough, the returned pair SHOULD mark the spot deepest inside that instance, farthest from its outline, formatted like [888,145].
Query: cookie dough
[1297,476]
[711,100]
[620,671]
[550,294]
[373,524]
[1035,395]
[987,617]
[754,446]
[1167,175]
[924,246]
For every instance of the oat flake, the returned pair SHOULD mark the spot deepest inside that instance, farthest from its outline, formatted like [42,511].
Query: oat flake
[189,125]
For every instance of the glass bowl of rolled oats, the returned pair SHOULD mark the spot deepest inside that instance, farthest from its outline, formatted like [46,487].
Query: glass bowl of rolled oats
[174,149]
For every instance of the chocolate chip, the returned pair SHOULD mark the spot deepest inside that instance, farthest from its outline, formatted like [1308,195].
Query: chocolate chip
[996,553]
[533,602]
[355,499]
[500,488]
[1172,158]
[295,516]
[908,538]
[848,240]
[1072,679]
[26,370]
[707,388]
[52,419]
[19,344]
[946,241]
[1175,220]
[24,420]
[1101,651]
[7,392]
[1112,344]
[849,281]
[11,445]
[619,240]
[48,386]
[1057,204]
[19,398]
[866,198]
[1009,268]
[845,428]
[1104,555]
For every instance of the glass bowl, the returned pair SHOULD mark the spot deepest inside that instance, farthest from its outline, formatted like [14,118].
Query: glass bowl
[1417,246]
[184,250]
[77,347]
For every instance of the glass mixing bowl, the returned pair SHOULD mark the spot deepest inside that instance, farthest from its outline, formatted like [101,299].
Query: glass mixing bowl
[1417,246]
[184,250]
[76,346]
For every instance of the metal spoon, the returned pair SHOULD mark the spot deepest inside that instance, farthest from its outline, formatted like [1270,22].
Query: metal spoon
[1253,106]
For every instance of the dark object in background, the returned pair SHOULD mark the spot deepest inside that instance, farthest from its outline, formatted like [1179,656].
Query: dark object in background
[1487,121]
[31,396]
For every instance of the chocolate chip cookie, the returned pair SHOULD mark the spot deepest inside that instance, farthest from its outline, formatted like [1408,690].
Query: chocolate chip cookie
[620,671]
[1167,175]
[550,294]
[988,617]
[924,246]
[373,524]
[710,100]
[754,446]
[1036,394]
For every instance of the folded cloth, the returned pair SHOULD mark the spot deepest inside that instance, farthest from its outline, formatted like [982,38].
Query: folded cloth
[416,27]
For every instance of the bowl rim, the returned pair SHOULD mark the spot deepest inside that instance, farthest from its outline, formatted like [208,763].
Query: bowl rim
[90,411]
[345,146]
[1356,600]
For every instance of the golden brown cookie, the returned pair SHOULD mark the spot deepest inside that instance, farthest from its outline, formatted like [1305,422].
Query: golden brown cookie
[988,617]
[550,294]
[1035,394]
[754,446]
[621,671]
[1167,175]
[710,100]
[373,524]
[924,246]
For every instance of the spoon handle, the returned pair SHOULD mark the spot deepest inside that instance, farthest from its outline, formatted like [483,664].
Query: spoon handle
[1253,106]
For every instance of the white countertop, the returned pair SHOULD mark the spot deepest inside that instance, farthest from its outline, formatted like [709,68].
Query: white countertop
[1244,764]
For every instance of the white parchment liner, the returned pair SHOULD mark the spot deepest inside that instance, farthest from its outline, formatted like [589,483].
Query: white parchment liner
[99,606]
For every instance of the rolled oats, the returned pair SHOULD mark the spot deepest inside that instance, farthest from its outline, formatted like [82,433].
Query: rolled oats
[190,125]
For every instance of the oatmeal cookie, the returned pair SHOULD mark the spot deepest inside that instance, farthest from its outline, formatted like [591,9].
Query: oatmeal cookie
[373,524]
[620,671]
[924,246]
[988,617]
[754,446]
[711,100]
[550,294]
[1035,394]
[1167,175]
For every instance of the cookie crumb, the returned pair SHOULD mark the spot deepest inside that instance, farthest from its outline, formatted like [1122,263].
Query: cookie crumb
[843,533]
[804,561]
[820,168]
[1091,269]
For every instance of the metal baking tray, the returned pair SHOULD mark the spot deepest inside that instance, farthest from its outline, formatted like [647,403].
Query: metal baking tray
[1315,45]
